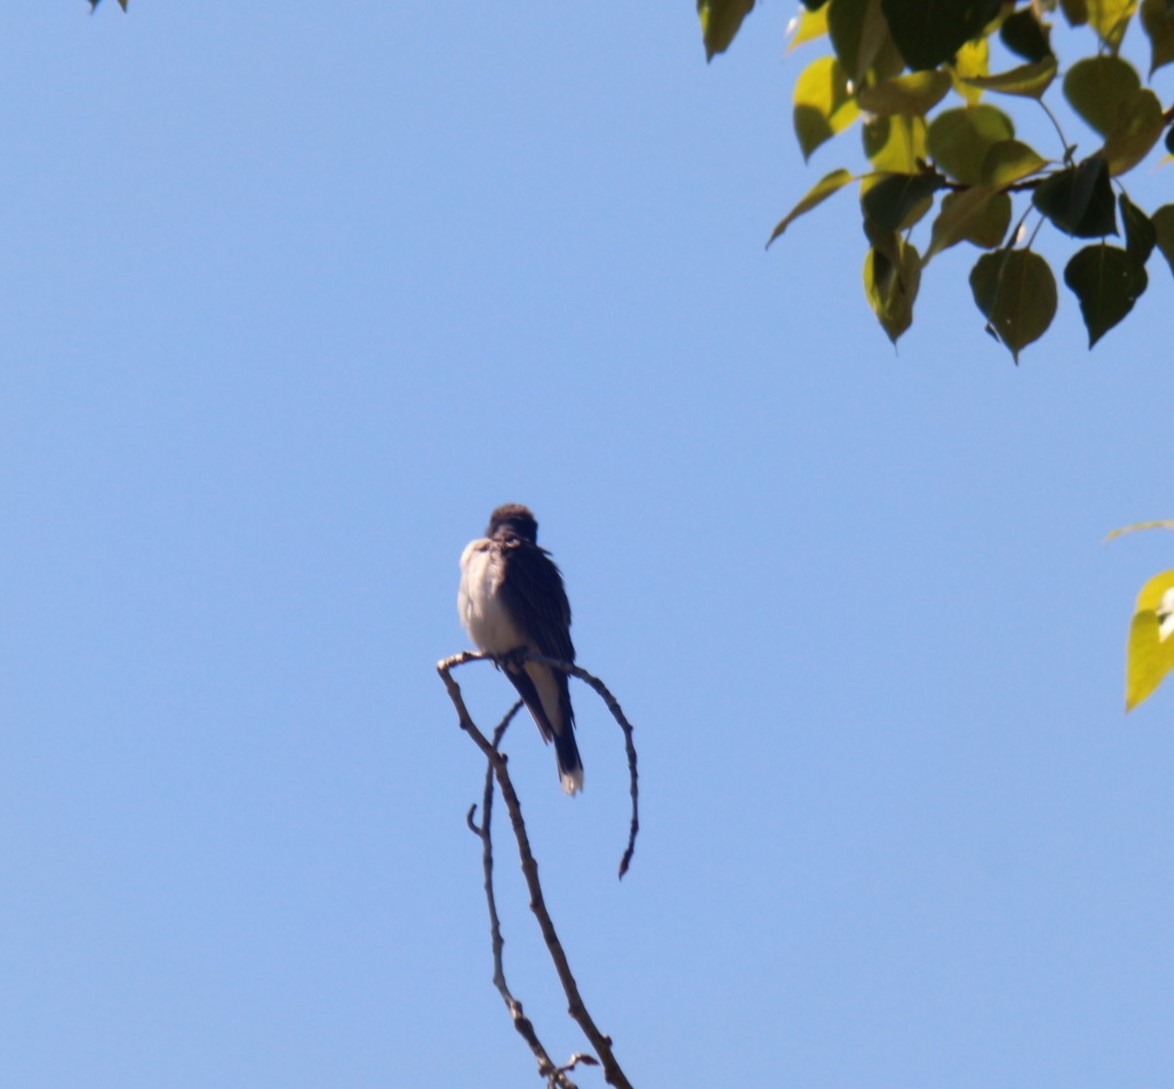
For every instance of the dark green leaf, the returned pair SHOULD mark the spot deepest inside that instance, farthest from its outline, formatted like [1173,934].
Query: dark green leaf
[891,286]
[978,214]
[1157,17]
[1163,221]
[720,20]
[1107,281]
[1079,200]
[814,5]
[929,32]
[1026,36]
[1096,86]
[1016,292]
[889,201]
[1170,140]
[1140,232]
[1027,81]
[959,139]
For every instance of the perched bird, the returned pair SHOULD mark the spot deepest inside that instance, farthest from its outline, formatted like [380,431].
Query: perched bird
[511,597]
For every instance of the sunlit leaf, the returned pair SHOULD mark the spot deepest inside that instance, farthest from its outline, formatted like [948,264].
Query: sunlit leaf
[891,286]
[1107,281]
[1016,292]
[959,139]
[720,20]
[914,93]
[1027,81]
[1165,523]
[1079,200]
[824,188]
[809,26]
[1157,17]
[1150,652]
[1136,127]
[973,59]
[1096,86]
[1110,18]
[895,144]
[823,105]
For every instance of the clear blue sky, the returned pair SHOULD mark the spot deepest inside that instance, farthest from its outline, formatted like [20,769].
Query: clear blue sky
[291,297]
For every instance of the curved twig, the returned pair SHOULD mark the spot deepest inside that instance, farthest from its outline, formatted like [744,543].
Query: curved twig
[498,766]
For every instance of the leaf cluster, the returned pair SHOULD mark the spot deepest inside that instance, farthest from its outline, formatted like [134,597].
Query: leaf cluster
[915,75]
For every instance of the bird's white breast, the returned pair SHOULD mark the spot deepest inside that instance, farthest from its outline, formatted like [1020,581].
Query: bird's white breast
[485,617]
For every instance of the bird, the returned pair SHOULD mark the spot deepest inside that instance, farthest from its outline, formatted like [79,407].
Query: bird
[512,598]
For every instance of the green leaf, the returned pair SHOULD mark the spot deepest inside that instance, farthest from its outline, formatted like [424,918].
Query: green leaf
[1107,281]
[895,144]
[1075,11]
[811,25]
[1027,81]
[1150,653]
[928,32]
[891,286]
[959,140]
[1140,232]
[1110,19]
[823,105]
[978,214]
[1026,36]
[915,93]
[1008,161]
[1096,86]
[1016,292]
[1136,127]
[824,188]
[720,20]
[1079,200]
[1163,221]
[1157,17]
[890,201]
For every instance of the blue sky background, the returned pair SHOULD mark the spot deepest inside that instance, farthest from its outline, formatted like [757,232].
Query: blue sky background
[291,298]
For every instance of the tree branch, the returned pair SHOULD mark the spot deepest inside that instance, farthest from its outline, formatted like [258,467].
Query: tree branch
[497,766]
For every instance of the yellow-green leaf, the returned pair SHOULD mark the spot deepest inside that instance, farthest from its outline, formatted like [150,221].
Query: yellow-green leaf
[1110,19]
[915,93]
[1150,654]
[1137,126]
[1157,17]
[823,105]
[1028,80]
[1165,523]
[895,144]
[820,192]
[973,59]
[809,26]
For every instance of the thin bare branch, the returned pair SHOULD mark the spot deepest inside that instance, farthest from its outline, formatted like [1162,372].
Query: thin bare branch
[613,705]
[556,1076]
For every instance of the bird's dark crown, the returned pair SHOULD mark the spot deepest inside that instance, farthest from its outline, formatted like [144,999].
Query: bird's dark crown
[513,520]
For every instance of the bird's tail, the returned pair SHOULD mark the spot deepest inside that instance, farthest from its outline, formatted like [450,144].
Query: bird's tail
[570,764]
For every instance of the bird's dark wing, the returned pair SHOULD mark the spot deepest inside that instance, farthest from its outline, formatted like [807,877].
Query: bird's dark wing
[533,593]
